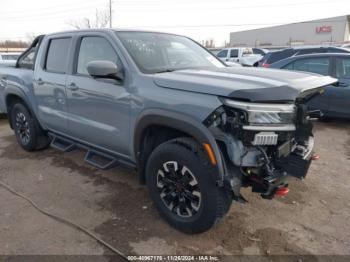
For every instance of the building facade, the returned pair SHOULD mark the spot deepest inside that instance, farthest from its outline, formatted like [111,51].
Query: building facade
[315,32]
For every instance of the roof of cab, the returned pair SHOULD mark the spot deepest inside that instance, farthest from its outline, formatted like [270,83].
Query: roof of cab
[108,30]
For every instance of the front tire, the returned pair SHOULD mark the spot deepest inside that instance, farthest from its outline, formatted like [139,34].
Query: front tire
[181,183]
[28,133]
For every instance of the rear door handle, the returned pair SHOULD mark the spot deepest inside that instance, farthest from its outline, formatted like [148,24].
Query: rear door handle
[73,87]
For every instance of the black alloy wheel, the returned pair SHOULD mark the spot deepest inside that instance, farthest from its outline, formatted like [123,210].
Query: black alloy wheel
[179,189]
[22,128]
[182,184]
[28,132]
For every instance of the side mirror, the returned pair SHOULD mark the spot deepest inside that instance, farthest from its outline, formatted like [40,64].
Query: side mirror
[104,69]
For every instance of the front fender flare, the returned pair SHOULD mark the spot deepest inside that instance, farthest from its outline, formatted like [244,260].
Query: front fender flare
[181,122]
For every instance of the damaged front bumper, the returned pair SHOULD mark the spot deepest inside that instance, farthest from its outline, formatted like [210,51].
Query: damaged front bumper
[295,164]
[269,175]
[262,156]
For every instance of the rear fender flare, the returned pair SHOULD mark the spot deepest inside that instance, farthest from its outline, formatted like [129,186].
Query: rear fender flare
[20,94]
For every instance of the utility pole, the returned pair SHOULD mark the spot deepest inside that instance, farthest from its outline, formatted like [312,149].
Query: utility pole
[110,13]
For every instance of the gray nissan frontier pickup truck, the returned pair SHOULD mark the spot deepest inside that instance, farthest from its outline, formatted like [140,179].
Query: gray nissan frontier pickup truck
[195,130]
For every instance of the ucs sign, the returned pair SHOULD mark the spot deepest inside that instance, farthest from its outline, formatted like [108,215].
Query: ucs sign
[323,29]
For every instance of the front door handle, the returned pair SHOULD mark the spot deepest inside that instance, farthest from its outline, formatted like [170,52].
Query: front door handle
[73,87]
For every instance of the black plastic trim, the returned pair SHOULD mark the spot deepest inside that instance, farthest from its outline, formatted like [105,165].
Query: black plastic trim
[184,123]
[16,91]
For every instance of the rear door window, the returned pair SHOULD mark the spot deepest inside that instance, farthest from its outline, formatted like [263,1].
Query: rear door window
[343,68]
[318,65]
[234,53]
[57,55]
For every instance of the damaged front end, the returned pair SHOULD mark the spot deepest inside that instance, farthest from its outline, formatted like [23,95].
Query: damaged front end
[262,144]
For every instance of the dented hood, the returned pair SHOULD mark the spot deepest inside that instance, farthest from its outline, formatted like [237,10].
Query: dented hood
[249,84]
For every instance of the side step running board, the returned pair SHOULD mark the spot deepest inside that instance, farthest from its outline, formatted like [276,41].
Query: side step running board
[93,157]
[100,160]
[62,144]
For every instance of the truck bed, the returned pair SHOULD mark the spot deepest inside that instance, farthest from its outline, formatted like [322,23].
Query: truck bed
[11,76]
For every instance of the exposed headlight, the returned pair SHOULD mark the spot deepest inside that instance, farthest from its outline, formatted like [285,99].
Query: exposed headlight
[261,118]
[260,114]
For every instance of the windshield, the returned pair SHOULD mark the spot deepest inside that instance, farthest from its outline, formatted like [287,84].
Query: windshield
[158,52]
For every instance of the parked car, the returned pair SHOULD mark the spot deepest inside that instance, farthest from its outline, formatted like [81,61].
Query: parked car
[195,130]
[242,55]
[232,64]
[9,56]
[214,51]
[335,100]
[273,57]
[7,63]
[8,59]
[260,51]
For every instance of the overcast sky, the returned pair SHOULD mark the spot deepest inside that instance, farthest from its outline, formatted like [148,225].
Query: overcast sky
[199,19]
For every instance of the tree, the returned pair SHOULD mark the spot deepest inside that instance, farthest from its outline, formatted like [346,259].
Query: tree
[100,20]
[13,44]
[209,43]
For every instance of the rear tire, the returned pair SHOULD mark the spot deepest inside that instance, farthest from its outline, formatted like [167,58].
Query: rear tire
[182,184]
[28,132]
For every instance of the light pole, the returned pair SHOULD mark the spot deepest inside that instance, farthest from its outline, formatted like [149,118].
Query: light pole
[110,13]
